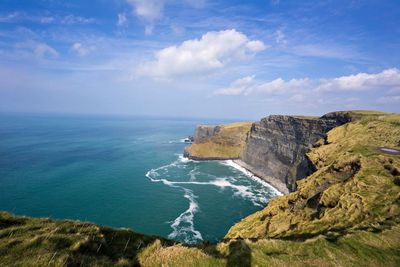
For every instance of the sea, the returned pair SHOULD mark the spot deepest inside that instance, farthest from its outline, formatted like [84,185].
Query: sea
[125,172]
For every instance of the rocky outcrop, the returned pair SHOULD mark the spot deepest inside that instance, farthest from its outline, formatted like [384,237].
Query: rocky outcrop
[204,132]
[277,145]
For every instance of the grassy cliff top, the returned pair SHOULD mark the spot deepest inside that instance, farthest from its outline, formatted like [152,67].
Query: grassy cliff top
[356,186]
[227,143]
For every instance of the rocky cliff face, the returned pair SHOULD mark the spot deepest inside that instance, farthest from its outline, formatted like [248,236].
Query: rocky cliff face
[277,146]
[204,132]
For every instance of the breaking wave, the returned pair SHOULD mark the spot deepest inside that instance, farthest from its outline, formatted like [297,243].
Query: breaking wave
[183,227]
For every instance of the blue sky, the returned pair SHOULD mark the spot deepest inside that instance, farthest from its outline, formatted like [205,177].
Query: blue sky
[188,58]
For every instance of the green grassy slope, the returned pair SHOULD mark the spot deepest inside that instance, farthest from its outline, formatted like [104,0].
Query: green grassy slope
[43,242]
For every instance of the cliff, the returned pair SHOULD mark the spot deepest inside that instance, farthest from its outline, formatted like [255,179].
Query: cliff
[273,148]
[218,141]
[355,187]
[277,145]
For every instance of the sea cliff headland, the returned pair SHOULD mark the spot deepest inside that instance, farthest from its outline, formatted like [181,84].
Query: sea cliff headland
[346,212]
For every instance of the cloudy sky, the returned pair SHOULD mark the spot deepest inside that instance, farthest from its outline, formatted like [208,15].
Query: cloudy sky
[199,58]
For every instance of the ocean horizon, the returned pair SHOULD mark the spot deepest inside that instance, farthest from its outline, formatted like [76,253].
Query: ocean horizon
[122,171]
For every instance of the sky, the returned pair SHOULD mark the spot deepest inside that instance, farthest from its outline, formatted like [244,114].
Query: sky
[199,58]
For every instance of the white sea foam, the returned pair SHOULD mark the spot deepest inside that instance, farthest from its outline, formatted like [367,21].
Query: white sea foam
[183,225]
[234,165]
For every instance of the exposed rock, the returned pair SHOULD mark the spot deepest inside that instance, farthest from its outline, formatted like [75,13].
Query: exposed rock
[277,145]
[218,142]
[204,132]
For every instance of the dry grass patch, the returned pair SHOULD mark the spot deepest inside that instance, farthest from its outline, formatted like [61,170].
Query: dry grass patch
[228,143]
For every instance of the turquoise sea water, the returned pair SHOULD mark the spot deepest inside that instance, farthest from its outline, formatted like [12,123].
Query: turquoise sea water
[121,172]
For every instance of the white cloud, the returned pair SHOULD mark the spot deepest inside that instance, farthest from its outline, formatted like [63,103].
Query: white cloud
[282,85]
[341,92]
[238,87]
[389,78]
[40,50]
[214,50]
[82,50]
[248,85]
[150,10]
[122,20]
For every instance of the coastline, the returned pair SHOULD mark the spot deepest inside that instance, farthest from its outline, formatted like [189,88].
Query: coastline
[271,181]
[236,162]
[250,174]
[276,185]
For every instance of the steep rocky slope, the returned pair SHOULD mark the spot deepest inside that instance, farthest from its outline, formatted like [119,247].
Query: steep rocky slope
[277,145]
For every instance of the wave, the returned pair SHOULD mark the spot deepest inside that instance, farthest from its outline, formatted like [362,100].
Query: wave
[183,140]
[183,225]
[249,174]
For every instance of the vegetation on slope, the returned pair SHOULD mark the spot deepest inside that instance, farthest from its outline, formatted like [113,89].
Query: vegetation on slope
[355,187]
[228,143]
[43,242]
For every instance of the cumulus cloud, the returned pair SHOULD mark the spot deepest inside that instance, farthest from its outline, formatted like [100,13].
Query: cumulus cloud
[214,50]
[40,50]
[362,81]
[238,87]
[282,85]
[248,85]
[299,90]
[82,50]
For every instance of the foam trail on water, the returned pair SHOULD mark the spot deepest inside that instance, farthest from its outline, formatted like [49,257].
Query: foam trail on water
[232,164]
[183,225]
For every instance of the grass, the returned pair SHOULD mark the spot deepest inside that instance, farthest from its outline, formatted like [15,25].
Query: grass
[354,187]
[228,143]
[44,242]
